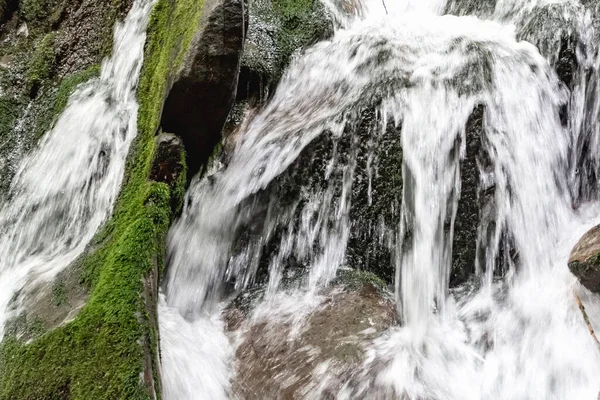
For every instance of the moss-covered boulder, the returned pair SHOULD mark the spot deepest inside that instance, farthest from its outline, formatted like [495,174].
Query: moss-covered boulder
[200,100]
[109,349]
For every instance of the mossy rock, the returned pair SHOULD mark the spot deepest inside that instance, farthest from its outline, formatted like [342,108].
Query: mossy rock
[42,63]
[277,30]
[109,351]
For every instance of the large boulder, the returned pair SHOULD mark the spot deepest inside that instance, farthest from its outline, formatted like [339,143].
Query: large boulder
[278,357]
[200,100]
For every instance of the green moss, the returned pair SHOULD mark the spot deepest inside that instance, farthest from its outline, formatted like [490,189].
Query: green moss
[42,62]
[355,279]
[178,187]
[52,102]
[40,10]
[59,293]
[100,354]
[10,109]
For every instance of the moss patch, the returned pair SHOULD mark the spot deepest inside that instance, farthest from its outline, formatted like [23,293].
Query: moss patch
[103,353]
[42,62]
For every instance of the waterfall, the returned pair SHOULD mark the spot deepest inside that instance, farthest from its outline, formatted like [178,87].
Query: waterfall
[65,189]
[261,218]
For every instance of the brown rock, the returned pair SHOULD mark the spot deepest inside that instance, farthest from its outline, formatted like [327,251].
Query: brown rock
[274,362]
[584,261]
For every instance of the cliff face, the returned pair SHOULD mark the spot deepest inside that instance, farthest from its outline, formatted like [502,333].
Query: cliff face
[92,333]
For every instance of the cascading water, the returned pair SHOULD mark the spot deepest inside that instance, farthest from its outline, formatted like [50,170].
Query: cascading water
[65,189]
[254,221]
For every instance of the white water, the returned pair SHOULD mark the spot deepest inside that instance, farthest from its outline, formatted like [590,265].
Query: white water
[521,337]
[65,189]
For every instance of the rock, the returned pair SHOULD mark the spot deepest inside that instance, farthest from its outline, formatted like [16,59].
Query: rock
[553,29]
[169,167]
[467,219]
[200,100]
[584,261]
[277,30]
[7,9]
[278,358]
[480,8]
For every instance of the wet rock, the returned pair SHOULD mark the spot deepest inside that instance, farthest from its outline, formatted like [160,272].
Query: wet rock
[200,100]
[468,212]
[278,358]
[480,8]
[584,261]
[169,167]
[276,31]
[376,197]
[553,28]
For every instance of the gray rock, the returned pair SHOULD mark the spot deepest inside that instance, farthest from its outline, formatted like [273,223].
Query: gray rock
[200,100]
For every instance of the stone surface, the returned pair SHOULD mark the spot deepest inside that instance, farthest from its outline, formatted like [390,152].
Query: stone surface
[466,223]
[584,261]
[200,100]
[169,167]
[277,358]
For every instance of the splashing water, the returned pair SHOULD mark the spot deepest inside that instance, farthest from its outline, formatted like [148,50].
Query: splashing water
[65,189]
[421,75]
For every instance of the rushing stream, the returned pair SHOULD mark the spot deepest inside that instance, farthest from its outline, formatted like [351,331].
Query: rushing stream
[511,332]
[65,189]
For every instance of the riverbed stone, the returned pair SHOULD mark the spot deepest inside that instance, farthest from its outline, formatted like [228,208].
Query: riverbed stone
[584,261]
[277,358]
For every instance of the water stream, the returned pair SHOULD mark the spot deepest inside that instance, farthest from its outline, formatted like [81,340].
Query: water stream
[513,331]
[65,189]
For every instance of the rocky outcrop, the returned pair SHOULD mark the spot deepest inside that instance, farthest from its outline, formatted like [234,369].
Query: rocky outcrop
[584,261]
[201,98]
[278,358]
[239,54]
[277,30]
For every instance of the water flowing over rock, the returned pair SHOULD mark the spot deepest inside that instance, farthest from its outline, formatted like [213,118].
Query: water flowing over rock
[428,149]
[65,189]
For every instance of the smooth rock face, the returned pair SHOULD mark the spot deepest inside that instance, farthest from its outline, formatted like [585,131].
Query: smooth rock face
[277,358]
[585,260]
[199,102]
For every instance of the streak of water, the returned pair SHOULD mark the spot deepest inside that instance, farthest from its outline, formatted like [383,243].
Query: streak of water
[65,189]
